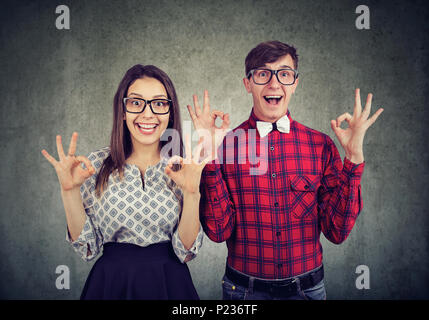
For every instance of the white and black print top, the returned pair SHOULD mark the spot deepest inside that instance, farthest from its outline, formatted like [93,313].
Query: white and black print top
[130,211]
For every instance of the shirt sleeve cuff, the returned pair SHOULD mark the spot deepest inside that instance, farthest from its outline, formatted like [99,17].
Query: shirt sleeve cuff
[180,249]
[353,170]
[85,245]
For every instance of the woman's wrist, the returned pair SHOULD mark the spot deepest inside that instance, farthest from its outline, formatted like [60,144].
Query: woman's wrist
[71,192]
[192,194]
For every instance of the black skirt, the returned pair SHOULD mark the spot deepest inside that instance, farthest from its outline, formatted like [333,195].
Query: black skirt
[129,271]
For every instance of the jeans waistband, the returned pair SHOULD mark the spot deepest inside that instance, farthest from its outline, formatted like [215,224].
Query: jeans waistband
[284,287]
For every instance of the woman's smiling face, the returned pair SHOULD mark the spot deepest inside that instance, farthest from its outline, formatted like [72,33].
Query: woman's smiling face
[146,128]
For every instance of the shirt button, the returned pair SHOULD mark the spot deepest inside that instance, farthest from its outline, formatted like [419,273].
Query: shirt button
[278,233]
[273,175]
[276,204]
[305,187]
[272,148]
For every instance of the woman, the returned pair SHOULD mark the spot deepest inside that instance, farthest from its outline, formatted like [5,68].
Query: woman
[128,200]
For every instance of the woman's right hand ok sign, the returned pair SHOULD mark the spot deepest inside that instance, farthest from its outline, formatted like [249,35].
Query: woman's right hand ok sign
[70,173]
[204,122]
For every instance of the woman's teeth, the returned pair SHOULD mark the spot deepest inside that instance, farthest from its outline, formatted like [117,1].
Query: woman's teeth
[147,128]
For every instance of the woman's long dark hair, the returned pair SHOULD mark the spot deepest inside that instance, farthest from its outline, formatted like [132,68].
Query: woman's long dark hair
[120,139]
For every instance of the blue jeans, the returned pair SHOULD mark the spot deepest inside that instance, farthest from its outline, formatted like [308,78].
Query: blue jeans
[232,291]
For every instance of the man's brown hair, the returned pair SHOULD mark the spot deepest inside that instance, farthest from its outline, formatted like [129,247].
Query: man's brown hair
[268,52]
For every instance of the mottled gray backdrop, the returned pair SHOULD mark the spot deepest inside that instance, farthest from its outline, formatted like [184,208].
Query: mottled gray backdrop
[59,81]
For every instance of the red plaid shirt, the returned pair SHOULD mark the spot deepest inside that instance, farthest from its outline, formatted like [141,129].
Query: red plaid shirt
[272,221]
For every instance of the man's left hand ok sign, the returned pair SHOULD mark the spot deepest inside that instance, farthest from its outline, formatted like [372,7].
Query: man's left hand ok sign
[352,138]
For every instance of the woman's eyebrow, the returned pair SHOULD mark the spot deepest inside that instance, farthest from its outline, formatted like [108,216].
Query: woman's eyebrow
[136,94]
[157,96]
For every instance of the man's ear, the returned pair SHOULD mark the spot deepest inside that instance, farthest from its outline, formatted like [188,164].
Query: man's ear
[246,83]
[295,85]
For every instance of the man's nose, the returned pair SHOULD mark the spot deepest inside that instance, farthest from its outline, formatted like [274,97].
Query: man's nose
[274,82]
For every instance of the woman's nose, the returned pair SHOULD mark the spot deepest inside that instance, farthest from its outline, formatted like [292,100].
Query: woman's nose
[147,112]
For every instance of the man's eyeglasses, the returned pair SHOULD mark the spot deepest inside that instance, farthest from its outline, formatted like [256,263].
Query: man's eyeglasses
[263,76]
[137,105]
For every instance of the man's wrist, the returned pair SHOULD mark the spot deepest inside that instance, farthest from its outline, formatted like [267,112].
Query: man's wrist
[355,158]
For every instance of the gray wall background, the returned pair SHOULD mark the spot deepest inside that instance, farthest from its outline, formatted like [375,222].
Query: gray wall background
[59,81]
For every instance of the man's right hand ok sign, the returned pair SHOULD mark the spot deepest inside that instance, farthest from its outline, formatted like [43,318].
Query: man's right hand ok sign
[70,173]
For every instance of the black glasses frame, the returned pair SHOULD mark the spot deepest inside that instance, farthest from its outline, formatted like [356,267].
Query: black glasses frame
[271,76]
[146,102]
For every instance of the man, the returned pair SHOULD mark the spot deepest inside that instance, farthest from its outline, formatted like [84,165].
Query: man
[271,218]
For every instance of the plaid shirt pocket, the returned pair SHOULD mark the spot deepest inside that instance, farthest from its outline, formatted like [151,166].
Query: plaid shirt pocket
[303,195]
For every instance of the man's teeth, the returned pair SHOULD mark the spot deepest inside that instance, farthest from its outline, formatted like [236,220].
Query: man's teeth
[273,99]
[147,126]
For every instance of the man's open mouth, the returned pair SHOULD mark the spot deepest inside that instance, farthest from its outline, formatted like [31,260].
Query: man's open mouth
[273,99]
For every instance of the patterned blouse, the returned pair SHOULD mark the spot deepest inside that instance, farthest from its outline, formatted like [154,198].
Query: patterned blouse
[130,211]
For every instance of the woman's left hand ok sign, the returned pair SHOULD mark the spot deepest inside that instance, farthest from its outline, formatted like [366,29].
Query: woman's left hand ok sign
[351,138]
